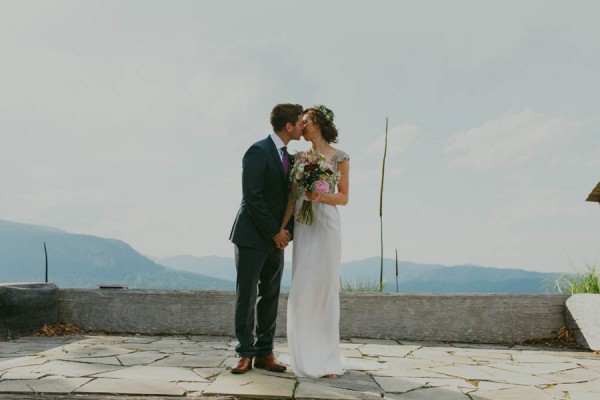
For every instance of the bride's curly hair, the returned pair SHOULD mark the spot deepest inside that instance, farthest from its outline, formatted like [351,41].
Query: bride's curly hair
[323,117]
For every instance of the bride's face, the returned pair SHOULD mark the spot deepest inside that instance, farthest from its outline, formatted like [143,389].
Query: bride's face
[311,131]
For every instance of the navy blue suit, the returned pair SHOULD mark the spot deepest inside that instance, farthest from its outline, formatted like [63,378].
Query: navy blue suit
[259,264]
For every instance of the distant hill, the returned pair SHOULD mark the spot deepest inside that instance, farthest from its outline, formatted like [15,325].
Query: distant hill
[435,278]
[84,261]
[412,277]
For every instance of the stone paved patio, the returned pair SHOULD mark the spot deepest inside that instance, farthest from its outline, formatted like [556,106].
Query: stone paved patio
[94,367]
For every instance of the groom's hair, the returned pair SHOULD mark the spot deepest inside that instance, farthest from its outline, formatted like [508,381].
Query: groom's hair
[284,113]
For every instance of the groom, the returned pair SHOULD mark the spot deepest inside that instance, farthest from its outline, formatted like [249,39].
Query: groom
[259,239]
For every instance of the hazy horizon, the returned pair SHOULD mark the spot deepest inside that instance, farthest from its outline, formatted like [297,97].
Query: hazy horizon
[288,260]
[129,120]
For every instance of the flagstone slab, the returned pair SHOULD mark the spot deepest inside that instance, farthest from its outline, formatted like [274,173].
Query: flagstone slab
[374,341]
[93,360]
[592,388]
[445,356]
[131,386]
[73,369]
[22,362]
[59,351]
[141,358]
[140,339]
[207,372]
[348,345]
[387,350]
[193,387]
[584,318]
[223,345]
[395,372]
[572,376]
[429,394]
[351,353]
[15,386]
[175,345]
[478,373]
[140,346]
[14,348]
[94,350]
[190,361]
[57,384]
[397,385]
[209,339]
[448,383]
[483,355]
[411,363]
[191,349]
[8,356]
[528,393]
[310,390]
[593,363]
[351,380]
[26,372]
[536,368]
[515,378]
[207,352]
[288,374]
[539,357]
[251,385]
[149,372]
[491,386]
[105,339]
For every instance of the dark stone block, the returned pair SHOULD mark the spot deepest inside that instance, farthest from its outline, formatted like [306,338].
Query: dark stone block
[483,318]
[26,307]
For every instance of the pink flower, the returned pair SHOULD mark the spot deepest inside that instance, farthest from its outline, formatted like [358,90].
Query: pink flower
[321,186]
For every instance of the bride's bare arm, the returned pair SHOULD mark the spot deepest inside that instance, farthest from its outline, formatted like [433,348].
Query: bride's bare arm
[289,212]
[341,197]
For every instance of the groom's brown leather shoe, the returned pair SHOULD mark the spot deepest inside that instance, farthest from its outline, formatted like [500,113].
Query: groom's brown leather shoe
[243,366]
[269,364]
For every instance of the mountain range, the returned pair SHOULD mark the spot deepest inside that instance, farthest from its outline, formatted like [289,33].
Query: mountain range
[85,261]
[412,277]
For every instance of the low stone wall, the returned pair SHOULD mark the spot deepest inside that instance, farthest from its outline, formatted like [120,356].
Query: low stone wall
[26,307]
[480,318]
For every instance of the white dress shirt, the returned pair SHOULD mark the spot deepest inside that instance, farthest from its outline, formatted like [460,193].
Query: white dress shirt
[278,143]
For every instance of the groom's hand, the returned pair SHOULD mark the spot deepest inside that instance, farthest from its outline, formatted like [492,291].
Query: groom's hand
[282,239]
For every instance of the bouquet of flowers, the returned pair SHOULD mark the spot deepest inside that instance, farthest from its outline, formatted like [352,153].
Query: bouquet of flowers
[311,173]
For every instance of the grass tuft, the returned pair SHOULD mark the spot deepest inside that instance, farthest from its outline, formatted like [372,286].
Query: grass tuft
[359,286]
[587,282]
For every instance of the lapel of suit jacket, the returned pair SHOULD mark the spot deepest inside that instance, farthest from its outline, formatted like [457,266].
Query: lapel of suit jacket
[277,157]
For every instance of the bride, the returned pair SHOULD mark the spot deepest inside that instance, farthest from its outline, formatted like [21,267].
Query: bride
[313,311]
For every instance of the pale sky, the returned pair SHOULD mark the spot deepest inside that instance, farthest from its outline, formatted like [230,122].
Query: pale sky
[129,119]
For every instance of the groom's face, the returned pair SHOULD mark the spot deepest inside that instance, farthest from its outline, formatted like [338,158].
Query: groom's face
[296,130]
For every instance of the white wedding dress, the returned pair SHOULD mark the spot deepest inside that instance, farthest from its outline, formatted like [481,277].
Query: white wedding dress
[313,310]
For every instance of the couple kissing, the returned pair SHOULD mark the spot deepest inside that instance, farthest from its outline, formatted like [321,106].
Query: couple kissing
[288,197]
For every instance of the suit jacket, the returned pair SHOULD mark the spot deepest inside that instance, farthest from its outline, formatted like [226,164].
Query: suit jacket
[265,191]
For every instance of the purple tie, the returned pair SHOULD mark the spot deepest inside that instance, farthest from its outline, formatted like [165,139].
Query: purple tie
[285,160]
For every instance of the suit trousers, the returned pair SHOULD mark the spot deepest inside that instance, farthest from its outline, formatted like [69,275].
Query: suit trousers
[259,275]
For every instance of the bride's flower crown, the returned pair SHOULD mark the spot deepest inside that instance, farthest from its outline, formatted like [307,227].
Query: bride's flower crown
[328,114]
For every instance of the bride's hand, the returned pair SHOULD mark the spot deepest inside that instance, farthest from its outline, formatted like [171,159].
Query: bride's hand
[312,196]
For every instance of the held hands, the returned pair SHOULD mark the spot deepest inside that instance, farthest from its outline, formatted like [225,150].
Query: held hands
[282,239]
